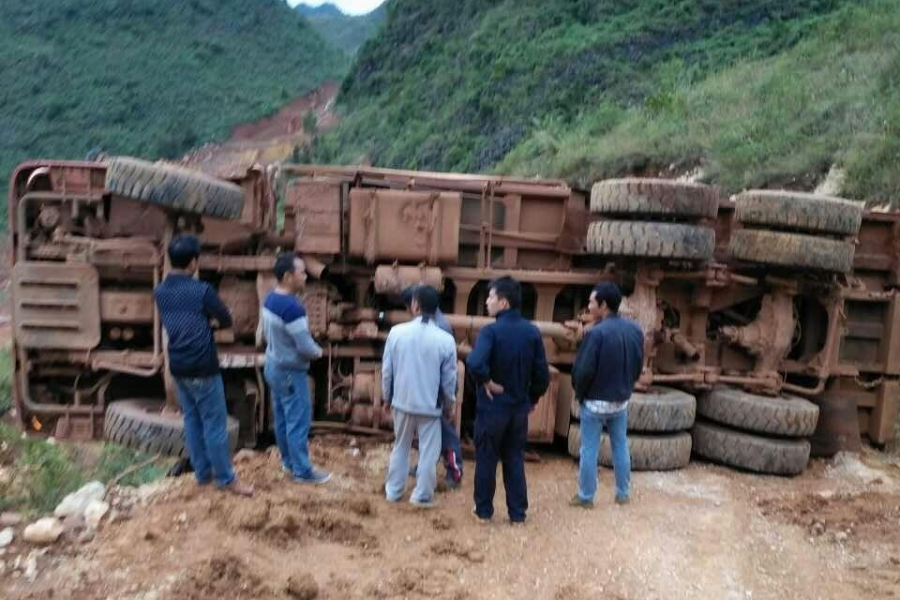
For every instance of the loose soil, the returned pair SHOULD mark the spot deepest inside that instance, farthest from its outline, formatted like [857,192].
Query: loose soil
[700,533]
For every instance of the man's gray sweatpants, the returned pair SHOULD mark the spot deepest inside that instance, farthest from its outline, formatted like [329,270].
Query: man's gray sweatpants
[406,426]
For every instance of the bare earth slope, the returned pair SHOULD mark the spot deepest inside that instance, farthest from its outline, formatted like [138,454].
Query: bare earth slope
[704,532]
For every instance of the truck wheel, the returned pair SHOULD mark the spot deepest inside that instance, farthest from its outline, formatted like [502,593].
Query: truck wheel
[174,187]
[651,240]
[784,416]
[138,424]
[648,452]
[659,410]
[751,452]
[802,212]
[654,197]
[791,250]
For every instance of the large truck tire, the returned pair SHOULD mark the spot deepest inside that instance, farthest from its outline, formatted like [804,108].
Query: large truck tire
[800,212]
[654,198]
[791,250]
[648,452]
[139,425]
[751,452]
[788,416]
[174,187]
[658,410]
[651,240]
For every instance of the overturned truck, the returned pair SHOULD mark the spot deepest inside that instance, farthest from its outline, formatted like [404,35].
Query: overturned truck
[771,320]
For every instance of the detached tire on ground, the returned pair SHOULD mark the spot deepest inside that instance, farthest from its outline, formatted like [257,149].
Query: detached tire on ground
[651,240]
[658,410]
[791,250]
[802,212]
[751,452]
[139,425]
[174,187]
[654,198]
[648,452]
[782,416]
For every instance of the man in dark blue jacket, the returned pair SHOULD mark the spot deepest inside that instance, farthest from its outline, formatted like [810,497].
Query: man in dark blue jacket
[186,307]
[608,364]
[509,365]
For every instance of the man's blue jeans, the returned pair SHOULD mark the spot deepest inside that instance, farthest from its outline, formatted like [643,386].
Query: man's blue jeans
[293,417]
[202,401]
[591,432]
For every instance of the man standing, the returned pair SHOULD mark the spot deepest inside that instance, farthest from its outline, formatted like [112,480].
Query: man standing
[510,368]
[289,348]
[186,307]
[418,380]
[607,365]
[451,448]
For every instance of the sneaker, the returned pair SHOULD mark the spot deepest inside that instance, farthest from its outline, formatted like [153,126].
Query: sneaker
[237,488]
[622,500]
[315,478]
[422,503]
[581,502]
[517,523]
[453,467]
[479,519]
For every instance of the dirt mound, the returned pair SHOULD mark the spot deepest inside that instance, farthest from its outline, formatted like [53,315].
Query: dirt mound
[225,577]
[302,586]
[283,522]
[417,583]
[450,547]
[869,516]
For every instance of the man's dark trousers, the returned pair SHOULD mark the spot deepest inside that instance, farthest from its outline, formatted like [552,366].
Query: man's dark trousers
[500,435]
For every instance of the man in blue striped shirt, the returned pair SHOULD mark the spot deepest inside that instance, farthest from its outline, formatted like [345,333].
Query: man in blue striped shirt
[289,348]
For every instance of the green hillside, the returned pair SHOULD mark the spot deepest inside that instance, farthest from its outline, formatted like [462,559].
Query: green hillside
[346,32]
[145,77]
[834,99]
[459,85]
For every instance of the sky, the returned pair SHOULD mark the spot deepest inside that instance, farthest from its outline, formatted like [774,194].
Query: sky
[351,7]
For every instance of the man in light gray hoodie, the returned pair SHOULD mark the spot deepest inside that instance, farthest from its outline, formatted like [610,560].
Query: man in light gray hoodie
[418,366]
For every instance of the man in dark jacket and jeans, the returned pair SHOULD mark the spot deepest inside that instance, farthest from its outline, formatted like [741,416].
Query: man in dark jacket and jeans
[186,307]
[608,364]
[509,365]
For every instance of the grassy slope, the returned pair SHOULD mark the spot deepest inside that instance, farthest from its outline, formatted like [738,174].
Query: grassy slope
[457,85]
[833,99]
[346,32]
[145,77]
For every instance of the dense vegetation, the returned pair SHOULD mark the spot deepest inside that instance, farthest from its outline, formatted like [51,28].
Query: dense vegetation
[564,84]
[144,77]
[834,99]
[346,32]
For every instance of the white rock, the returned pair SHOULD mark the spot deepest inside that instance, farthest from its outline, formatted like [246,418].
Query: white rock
[95,512]
[31,567]
[6,537]
[43,531]
[76,502]
[10,519]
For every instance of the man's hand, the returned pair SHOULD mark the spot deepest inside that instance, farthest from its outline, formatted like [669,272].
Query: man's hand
[448,411]
[491,388]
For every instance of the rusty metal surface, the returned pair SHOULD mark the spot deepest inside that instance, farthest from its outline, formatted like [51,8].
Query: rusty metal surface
[315,209]
[398,225]
[56,305]
[367,233]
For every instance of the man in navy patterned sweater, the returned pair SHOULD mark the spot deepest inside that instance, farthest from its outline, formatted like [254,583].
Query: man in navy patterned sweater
[186,307]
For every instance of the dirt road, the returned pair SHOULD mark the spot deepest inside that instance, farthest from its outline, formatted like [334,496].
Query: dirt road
[705,532]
